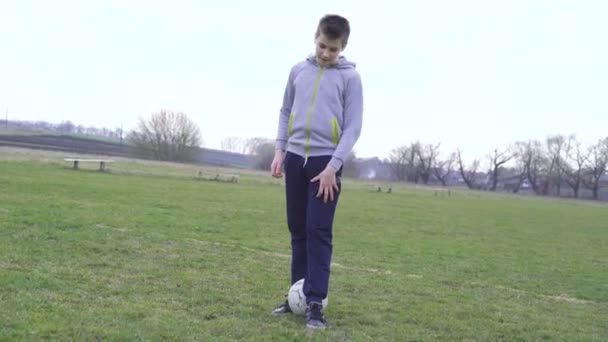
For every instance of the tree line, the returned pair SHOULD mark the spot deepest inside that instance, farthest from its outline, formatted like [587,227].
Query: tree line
[164,135]
[64,127]
[544,167]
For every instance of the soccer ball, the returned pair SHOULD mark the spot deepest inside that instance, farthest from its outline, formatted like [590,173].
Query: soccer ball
[297,299]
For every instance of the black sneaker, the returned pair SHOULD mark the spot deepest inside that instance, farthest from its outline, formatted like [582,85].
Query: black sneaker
[282,309]
[314,316]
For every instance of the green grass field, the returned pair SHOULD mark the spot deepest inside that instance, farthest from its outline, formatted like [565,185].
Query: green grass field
[145,252]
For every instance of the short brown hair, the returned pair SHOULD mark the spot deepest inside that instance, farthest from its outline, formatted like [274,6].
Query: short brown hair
[334,27]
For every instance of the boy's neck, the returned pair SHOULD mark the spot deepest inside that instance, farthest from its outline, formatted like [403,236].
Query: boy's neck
[327,65]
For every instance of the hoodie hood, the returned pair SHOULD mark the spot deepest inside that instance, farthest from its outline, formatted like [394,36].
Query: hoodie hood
[343,63]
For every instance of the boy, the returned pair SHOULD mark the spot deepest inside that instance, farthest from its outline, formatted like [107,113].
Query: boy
[319,123]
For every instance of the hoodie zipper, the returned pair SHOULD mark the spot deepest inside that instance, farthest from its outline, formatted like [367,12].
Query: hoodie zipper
[308,120]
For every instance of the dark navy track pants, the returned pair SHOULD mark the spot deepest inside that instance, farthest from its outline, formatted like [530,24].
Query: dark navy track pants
[310,223]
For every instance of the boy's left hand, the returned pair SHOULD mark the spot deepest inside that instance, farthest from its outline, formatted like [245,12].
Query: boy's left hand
[327,184]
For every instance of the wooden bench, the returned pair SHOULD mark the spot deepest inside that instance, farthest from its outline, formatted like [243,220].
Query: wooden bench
[102,162]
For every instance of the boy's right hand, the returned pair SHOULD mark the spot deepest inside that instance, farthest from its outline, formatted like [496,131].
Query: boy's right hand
[276,168]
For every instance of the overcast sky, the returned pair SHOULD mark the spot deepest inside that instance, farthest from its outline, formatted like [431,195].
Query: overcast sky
[470,74]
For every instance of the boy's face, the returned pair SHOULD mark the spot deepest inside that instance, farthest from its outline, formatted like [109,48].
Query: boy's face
[327,50]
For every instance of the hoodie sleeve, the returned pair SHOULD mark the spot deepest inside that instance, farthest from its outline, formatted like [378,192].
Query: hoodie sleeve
[288,96]
[353,119]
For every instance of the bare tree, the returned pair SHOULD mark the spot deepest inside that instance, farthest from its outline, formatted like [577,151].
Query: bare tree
[497,159]
[92,130]
[596,166]
[251,145]
[468,174]
[573,159]
[233,144]
[443,168]
[119,133]
[521,156]
[530,157]
[413,171]
[427,156]
[262,152]
[398,159]
[555,146]
[403,162]
[351,166]
[519,167]
[167,135]
[66,127]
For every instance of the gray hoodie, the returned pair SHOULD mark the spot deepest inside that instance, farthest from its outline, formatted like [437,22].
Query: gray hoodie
[322,110]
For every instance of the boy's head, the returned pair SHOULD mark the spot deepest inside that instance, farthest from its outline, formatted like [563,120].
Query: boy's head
[331,39]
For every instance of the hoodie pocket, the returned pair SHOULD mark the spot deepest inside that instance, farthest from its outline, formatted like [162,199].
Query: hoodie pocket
[335,131]
[292,117]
